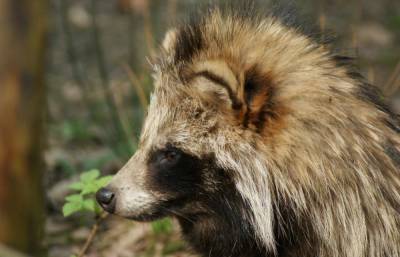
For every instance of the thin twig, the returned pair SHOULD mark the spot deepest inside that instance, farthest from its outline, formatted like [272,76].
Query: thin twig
[172,9]
[105,80]
[131,38]
[138,86]
[390,86]
[371,75]
[92,234]
[148,31]
[124,120]
[70,48]
[356,22]
[77,71]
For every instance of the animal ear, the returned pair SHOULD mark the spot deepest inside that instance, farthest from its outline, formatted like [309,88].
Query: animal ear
[260,99]
[170,39]
[218,83]
[250,94]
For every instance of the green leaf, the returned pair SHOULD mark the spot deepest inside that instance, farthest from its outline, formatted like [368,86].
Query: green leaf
[71,207]
[76,186]
[163,226]
[89,205]
[90,175]
[90,183]
[90,188]
[75,198]
[103,181]
[98,209]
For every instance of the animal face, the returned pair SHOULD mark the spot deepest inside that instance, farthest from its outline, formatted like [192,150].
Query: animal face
[200,152]
[175,166]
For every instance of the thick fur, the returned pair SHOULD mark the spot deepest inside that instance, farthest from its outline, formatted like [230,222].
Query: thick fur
[295,153]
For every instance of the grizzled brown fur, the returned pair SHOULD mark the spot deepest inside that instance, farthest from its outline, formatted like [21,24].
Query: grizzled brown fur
[262,142]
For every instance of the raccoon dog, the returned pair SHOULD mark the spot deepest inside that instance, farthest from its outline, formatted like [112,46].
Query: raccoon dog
[262,142]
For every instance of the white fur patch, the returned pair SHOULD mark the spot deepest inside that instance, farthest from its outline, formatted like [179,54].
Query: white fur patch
[133,201]
[251,179]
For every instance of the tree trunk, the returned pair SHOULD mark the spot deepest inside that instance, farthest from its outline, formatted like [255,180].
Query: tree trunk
[22,101]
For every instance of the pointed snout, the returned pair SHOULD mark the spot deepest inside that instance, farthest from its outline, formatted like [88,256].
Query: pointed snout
[126,194]
[106,198]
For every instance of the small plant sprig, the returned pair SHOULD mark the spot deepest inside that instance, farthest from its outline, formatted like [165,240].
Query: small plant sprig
[84,200]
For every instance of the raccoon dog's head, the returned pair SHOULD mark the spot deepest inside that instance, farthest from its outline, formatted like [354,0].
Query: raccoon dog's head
[216,110]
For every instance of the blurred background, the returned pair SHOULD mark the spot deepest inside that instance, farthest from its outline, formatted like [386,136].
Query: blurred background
[74,86]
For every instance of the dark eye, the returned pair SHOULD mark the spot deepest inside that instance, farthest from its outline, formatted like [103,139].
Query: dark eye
[169,157]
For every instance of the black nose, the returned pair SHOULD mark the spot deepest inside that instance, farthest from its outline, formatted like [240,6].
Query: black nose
[106,199]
